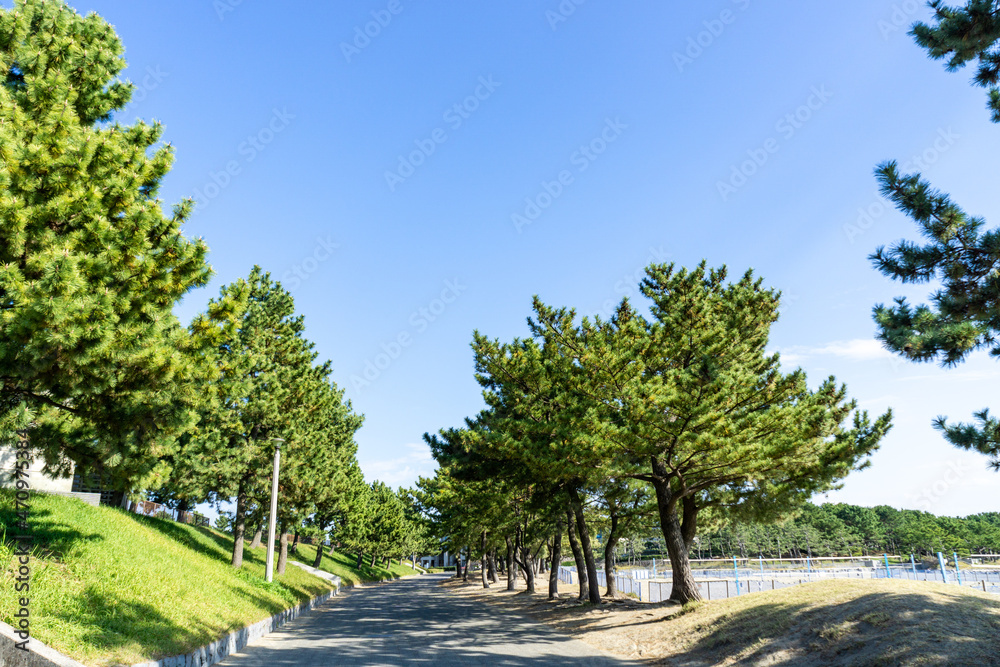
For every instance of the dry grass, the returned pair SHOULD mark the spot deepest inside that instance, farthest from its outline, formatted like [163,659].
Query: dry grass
[835,622]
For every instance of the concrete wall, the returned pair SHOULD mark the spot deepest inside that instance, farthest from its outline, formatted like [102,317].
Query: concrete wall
[36,480]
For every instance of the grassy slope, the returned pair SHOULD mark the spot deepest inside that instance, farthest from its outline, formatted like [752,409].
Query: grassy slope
[841,622]
[342,565]
[109,587]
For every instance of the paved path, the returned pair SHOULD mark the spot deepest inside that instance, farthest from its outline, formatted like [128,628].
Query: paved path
[414,622]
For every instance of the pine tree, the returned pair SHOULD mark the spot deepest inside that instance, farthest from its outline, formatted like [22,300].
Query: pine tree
[266,385]
[964,34]
[91,359]
[689,402]
[960,253]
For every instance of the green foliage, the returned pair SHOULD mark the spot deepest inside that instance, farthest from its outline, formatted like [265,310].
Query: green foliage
[964,34]
[91,358]
[266,385]
[849,530]
[964,314]
[223,522]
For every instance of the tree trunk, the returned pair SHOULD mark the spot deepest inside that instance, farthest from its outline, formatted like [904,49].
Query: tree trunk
[373,561]
[555,560]
[609,558]
[295,544]
[491,560]
[588,551]
[283,555]
[574,545]
[319,556]
[482,561]
[677,537]
[528,565]
[465,573]
[511,567]
[239,526]
[357,566]
[257,536]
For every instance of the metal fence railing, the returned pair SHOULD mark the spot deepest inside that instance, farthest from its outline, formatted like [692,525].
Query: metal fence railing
[655,586]
[149,508]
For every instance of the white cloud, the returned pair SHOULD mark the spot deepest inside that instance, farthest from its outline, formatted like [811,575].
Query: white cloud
[403,470]
[858,349]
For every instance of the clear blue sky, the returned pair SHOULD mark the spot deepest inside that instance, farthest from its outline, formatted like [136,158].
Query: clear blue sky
[642,109]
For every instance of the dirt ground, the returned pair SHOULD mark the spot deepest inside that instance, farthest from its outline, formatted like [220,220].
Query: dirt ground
[621,626]
[832,622]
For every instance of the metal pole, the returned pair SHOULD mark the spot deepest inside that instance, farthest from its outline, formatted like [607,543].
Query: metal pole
[944,572]
[958,574]
[913,565]
[888,573]
[737,569]
[274,510]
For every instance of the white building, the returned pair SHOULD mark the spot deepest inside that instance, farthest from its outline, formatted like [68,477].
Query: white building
[39,481]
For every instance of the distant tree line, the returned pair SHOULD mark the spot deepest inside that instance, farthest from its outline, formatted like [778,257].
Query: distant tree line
[849,530]
[671,416]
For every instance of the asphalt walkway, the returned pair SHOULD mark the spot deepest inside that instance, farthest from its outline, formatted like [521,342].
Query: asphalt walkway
[414,622]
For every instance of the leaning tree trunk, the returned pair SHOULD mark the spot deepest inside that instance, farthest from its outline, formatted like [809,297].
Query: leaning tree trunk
[319,556]
[361,554]
[574,545]
[283,556]
[677,537]
[255,543]
[609,558]
[295,544]
[588,551]
[372,565]
[239,525]
[511,567]
[555,561]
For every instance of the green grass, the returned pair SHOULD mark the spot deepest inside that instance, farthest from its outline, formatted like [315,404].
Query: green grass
[342,565]
[108,587]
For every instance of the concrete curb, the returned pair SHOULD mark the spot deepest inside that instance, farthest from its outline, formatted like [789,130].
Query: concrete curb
[237,640]
[37,655]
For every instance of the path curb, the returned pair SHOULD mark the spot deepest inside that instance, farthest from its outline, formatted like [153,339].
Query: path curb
[238,639]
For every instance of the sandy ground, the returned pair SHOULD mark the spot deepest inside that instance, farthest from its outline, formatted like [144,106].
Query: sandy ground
[622,626]
[842,623]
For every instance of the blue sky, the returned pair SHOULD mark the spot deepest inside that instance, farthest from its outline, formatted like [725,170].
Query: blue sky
[427,178]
